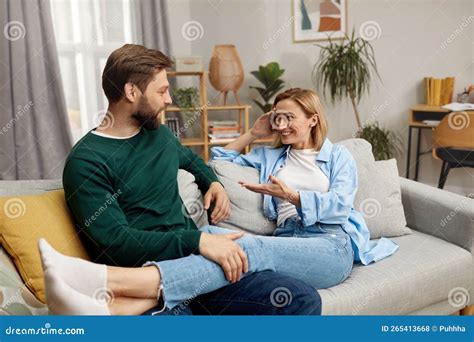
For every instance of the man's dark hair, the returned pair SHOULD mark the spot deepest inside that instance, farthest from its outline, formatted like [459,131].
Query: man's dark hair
[131,63]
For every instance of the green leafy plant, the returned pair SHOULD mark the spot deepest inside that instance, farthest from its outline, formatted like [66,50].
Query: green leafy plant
[344,70]
[269,75]
[385,144]
[186,97]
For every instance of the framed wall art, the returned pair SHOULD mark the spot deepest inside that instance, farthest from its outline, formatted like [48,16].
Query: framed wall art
[315,20]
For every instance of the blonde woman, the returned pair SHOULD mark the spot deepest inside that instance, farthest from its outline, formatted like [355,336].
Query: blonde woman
[308,183]
[309,186]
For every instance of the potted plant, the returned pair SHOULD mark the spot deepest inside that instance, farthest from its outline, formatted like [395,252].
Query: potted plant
[345,70]
[269,75]
[385,144]
[188,99]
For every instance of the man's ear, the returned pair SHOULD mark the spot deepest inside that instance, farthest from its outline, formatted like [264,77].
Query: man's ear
[130,91]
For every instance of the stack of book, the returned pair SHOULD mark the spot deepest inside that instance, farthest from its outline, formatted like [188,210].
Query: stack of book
[173,125]
[438,92]
[223,131]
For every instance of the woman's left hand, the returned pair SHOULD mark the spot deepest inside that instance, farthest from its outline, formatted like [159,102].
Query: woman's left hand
[276,188]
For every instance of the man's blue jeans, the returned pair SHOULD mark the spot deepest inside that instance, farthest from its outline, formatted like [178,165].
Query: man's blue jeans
[263,293]
[320,255]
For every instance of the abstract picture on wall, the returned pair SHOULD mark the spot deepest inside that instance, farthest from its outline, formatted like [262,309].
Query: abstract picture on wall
[315,20]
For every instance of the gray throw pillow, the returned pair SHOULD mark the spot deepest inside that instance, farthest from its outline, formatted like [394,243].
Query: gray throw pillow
[360,149]
[379,200]
[246,206]
[192,199]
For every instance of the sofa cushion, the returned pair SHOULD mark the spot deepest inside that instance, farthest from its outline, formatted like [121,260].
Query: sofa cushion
[246,206]
[26,219]
[424,271]
[379,199]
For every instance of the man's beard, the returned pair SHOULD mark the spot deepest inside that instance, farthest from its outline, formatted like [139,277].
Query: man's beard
[146,116]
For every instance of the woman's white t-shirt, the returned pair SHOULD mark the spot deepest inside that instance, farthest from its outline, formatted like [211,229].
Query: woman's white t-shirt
[300,172]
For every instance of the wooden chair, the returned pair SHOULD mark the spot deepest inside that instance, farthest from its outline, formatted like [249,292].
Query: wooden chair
[453,143]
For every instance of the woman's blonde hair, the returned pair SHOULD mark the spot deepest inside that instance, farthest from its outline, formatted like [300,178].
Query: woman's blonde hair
[309,102]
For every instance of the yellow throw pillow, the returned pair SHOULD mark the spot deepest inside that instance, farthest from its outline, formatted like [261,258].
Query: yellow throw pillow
[26,219]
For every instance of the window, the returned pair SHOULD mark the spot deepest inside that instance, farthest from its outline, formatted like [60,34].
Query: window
[87,31]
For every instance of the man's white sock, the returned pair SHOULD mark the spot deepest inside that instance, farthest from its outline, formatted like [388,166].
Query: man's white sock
[64,300]
[81,275]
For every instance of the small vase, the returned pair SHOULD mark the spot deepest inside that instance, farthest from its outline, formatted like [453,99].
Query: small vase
[226,72]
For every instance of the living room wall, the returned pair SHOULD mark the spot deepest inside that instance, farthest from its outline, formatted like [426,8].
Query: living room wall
[406,51]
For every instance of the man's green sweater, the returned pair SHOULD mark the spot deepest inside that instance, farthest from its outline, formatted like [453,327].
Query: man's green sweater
[123,194]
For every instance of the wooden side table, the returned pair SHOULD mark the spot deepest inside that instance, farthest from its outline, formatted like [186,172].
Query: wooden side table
[417,114]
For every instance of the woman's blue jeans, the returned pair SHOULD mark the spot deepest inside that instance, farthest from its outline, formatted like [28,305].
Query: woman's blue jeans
[320,255]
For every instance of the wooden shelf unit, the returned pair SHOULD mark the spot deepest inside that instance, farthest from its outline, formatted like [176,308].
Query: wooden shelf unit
[204,108]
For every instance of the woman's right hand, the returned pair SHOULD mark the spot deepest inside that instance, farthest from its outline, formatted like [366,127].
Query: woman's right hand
[262,127]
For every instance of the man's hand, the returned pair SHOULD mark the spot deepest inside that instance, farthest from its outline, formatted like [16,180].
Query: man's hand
[217,195]
[221,249]
[276,188]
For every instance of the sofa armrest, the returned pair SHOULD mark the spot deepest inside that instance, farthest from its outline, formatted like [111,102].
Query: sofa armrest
[439,213]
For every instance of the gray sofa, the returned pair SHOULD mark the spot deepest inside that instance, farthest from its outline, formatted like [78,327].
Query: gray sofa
[432,273]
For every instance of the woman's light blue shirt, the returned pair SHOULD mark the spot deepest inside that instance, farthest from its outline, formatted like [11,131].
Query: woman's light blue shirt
[332,207]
